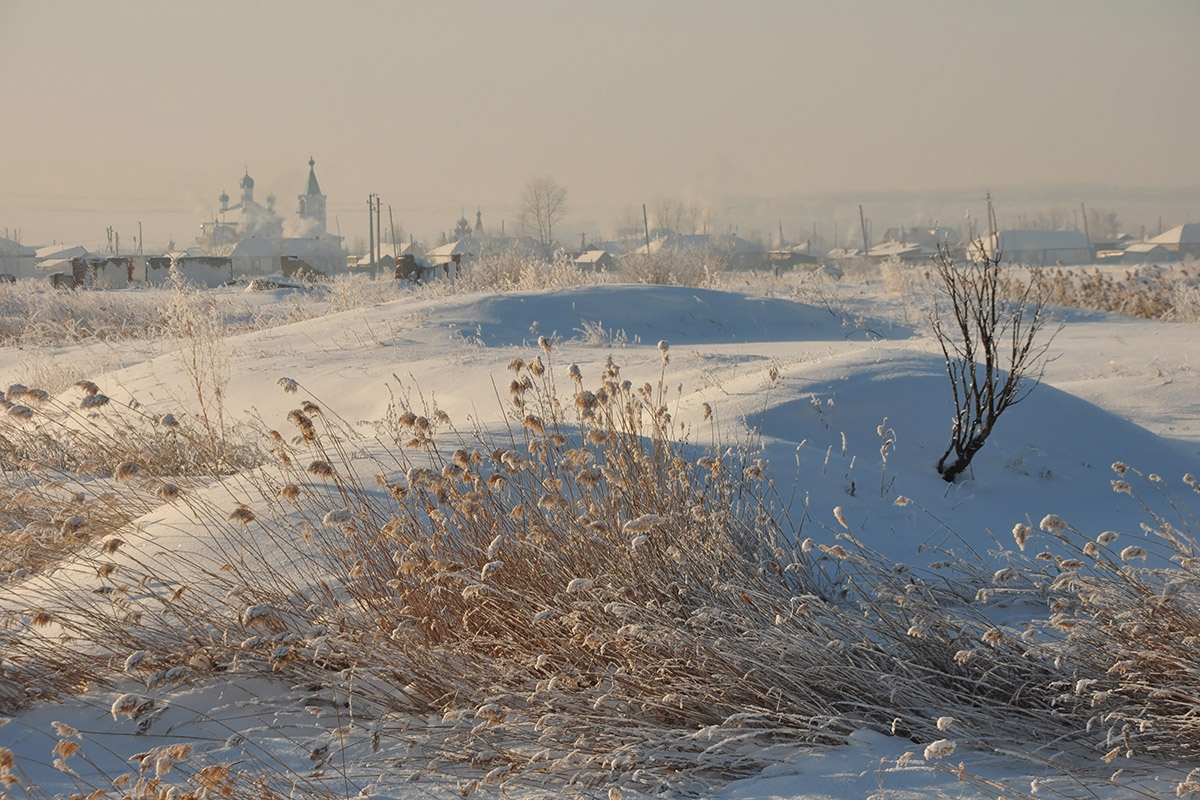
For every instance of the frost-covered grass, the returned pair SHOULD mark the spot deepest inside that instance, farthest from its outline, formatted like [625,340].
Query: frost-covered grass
[588,601]
[587,598]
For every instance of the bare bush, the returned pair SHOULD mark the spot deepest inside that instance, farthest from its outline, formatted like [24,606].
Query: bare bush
[995,348]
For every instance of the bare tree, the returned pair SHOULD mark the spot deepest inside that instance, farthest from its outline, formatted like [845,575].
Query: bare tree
[543,203]
[629,224]
[995,344]
[666,217]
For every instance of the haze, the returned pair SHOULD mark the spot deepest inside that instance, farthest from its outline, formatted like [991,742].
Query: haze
[144,112]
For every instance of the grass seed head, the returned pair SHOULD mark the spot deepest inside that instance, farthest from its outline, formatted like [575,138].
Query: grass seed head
[242,514]
[1133,551]
[939,749]
[1020,533]
[20,412]
[93,401]
[308,432]
[1052,523]
[321,468]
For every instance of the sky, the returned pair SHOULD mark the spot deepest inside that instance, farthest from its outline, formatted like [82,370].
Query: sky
[144,111]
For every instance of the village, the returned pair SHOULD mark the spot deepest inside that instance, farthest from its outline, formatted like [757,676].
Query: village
[248,239]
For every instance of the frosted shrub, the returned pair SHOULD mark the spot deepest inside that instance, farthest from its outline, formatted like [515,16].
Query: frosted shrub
[675,268]
[515,268]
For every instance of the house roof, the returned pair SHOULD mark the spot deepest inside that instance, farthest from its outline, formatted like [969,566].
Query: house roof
[698,242]
[468,245]
[1180,234]
[254,247]
[591,256]
[10,248]
[898,249]
[1023,240]
[57,251]
[302,247]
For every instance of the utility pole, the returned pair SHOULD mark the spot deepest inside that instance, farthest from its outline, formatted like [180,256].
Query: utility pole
[371,230]
[392,225]
[379,231]
[863,221]
[1086,233]
[141,251]
[646,224]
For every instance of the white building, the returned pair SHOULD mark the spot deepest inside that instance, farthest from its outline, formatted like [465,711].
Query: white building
[1037,248]
[1181,241]
[17,260]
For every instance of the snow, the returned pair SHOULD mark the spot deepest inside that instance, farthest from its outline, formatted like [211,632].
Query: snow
[1118,389]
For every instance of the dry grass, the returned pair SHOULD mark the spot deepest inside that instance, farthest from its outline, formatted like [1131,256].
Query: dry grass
[591,602]
[583,602]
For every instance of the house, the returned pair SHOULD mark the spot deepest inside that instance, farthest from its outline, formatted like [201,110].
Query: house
[389,254]
[257,256]
[450,259]
[57,257]
[595,260]
[740,253]
[17,260]
[1035,248]
[1146,253]
[1181,241]
[791,257]
[324,254]
[908,252]
[931,237]
[208,271]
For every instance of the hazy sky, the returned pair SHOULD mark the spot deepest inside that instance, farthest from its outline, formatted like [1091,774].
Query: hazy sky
[146,110]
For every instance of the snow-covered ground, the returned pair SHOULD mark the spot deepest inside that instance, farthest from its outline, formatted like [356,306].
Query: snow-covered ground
[817,386]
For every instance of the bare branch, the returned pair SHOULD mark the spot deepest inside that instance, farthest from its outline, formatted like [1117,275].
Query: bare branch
[994,343]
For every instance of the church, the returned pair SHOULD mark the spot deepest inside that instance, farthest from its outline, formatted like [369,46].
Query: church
[258,241]
[250,219]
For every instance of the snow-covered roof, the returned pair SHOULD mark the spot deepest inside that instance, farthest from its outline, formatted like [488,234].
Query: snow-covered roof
[1042,240]
[10,248]
[56,251]
[1145,247]
[254,247]
[591,256]
[699,242]
[1180,234]
[899,249]
[302,247]
[467,246]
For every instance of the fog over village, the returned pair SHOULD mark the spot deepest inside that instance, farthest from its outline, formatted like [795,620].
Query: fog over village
[772,121]
[751,401]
